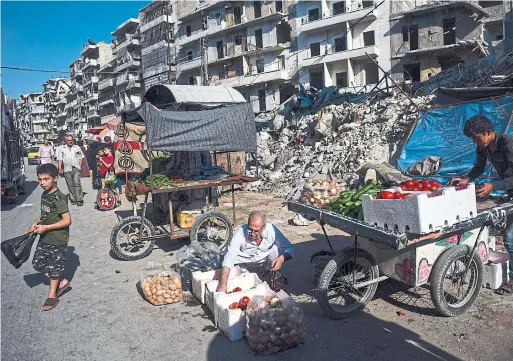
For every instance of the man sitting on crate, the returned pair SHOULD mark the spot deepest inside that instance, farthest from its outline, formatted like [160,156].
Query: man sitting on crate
[496,148]
[258,247]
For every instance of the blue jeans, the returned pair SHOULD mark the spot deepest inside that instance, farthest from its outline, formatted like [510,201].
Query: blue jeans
[508,243]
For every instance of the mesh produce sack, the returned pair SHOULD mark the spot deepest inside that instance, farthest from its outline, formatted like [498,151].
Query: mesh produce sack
[159,285]
[274,323]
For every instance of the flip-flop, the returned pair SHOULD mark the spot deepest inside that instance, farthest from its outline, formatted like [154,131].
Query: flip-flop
[64,289]
[506,290]
[51,303]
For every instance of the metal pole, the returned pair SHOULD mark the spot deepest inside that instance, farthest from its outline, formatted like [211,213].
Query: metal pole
[392,80]
[327,238]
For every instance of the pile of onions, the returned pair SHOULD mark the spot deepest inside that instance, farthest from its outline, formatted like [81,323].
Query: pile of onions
[319,193]
[272,327]
[162,288]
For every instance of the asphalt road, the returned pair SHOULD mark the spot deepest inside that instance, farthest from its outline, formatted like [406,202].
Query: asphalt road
[105,318]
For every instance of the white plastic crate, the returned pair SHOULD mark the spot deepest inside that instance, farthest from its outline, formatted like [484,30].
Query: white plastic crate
[420,214]
[200,279]
[495,275]
[233,322]
[245,281]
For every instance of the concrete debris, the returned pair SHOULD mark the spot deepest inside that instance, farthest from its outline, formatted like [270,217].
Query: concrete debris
[335,142]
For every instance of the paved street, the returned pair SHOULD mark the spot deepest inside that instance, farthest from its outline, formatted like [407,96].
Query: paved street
[105,318]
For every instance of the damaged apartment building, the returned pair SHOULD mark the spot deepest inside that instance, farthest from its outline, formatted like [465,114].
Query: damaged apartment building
[120,85]
[158,53]
[340,41]
[241,44]
[55,92]
[83,109]
[427,37]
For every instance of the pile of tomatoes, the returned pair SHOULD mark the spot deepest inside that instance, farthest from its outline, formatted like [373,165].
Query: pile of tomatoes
[242,304]
[411,185]
[426,185]
[236,289]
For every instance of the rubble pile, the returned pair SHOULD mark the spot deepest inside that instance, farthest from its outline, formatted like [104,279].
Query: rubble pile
[335,142]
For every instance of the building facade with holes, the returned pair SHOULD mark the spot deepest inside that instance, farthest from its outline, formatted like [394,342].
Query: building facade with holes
[241,44]
[158,24]
[428,37]
[340,42]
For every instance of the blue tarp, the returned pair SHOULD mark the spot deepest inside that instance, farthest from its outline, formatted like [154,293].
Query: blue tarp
[439,132]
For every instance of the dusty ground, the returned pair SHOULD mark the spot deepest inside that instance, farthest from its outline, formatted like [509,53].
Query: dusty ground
[105,318]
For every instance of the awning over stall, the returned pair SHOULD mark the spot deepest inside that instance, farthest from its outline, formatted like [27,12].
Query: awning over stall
[166,94]
[227,129]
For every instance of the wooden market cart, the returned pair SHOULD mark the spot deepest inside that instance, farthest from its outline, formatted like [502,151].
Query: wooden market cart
[221,130]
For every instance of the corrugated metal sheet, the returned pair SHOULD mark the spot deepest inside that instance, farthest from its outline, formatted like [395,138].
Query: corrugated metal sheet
[193,94]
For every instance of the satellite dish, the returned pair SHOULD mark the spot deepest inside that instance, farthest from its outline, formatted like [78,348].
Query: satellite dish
[91,42]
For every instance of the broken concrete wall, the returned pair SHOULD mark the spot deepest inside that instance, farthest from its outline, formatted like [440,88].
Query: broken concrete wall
[185,6]
[430,29]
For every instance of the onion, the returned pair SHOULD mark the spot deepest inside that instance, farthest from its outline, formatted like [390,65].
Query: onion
[333,191]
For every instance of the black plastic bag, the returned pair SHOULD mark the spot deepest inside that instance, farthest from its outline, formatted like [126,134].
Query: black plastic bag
[17,250]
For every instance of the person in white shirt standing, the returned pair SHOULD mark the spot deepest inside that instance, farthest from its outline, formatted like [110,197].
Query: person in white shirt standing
[45,153]
[69,158]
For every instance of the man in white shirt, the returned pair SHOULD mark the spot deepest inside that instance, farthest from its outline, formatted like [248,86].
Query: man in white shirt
[45,153]
[69,158]
[257,246]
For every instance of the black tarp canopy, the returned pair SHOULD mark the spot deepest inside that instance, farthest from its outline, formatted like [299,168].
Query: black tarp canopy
[226,129]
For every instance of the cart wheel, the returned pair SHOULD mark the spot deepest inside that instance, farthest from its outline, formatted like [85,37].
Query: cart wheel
[124,239]
[106,199]
[211,227]
[452,291]
[335,294]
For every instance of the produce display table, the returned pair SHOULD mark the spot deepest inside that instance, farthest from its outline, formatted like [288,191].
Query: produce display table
[452,257]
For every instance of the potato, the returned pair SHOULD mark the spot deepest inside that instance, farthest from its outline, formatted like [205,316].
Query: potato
[159,292]
[168,300]
[177,282]
[172,287]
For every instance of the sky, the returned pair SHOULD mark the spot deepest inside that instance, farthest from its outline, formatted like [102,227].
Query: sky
[49,35]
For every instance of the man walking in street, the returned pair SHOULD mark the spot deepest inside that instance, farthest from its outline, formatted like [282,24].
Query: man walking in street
[45,153]
[70,162]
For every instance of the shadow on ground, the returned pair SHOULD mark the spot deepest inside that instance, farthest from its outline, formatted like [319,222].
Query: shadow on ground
[72,264]
[30,187]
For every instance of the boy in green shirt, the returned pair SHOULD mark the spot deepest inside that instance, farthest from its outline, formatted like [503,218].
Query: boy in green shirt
[53,226]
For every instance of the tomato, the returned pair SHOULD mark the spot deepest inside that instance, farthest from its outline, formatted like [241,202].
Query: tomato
[414,189]
[387,195]
[237,289]
[234,306]
[436,184]
[397,195]
[432,188]
[417,184]
[244,300]
[409,183]
[425,183]
[404,187]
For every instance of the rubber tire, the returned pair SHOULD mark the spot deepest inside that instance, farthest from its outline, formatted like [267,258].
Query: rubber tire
[195,226]
[438,275]
[329,271]
[113,238]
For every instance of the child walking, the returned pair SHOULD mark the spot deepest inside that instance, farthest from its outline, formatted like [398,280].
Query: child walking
[107,165]
[53,227]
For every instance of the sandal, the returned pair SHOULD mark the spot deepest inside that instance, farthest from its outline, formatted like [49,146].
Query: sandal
[64,289]
[506,290]
[50,304]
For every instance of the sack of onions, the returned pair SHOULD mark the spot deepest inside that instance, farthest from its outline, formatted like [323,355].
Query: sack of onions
[274,323]
[319,193]
[160,286]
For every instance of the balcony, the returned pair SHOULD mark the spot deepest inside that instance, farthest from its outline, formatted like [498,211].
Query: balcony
[198,10]
[62,115]
[354,54]
[106,118]
[162,18]
[191,64]
[130,42]
[90,62]
[106,83]
[249,79]
[106,102]
[133,84]
[329,20]
[40,131]
[39,121]
[91,97]
[214,27]
[90,51]
[93,114]
[129,64]
[76,73]
[92,80]
[128,26]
